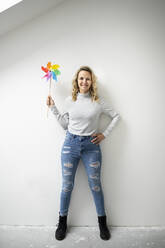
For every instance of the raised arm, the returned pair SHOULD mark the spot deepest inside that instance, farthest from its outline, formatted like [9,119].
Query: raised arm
[63,119]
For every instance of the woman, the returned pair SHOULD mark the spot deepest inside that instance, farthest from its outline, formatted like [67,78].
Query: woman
[82,141]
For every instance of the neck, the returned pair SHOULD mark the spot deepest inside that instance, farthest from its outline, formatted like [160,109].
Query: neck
[85,94]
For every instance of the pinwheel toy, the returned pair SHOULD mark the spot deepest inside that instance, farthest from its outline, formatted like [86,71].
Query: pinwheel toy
[51,72]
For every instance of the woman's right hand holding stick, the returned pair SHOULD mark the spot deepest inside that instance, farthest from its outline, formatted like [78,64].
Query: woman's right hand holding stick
[50,101]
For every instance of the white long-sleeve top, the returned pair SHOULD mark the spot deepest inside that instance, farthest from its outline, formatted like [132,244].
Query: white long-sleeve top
[81,117]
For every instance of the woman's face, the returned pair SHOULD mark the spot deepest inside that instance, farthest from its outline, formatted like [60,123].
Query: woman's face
[84,81]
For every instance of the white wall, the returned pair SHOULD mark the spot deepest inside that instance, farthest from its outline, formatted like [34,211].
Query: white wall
[123,41]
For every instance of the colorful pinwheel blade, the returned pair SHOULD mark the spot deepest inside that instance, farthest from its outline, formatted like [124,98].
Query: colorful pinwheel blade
[57,72]
[49,75]
[49,65]
[46,75]
[54,75]
[54,67]
[44,69]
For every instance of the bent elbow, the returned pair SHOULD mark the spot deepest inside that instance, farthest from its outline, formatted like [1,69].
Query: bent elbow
[117,117]
[64,124]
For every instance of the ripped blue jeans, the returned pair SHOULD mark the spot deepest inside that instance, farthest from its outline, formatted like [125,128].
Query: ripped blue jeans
[76,147]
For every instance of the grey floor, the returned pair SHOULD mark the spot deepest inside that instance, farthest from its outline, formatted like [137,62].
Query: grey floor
[43,236]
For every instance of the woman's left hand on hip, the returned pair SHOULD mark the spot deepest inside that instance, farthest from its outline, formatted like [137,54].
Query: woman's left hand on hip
[99,137]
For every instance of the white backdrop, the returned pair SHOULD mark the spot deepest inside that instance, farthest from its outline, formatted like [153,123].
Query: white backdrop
[123,42]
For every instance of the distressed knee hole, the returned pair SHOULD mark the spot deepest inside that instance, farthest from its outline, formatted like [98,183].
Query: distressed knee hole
[96,188]
[67,189]
[94,176]
[95,164]
[65,151]
[67,173]
[67,186]
[68,165]
[67,147]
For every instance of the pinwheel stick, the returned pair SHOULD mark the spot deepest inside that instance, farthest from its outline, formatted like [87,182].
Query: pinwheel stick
[49,94]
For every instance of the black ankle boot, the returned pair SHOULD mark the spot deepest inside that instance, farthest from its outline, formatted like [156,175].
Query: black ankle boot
[104,231]
[62,228]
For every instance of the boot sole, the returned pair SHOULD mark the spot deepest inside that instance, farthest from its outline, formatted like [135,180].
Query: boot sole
[58,238]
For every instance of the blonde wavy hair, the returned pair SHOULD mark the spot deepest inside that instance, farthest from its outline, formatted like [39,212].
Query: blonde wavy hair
[93,88]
